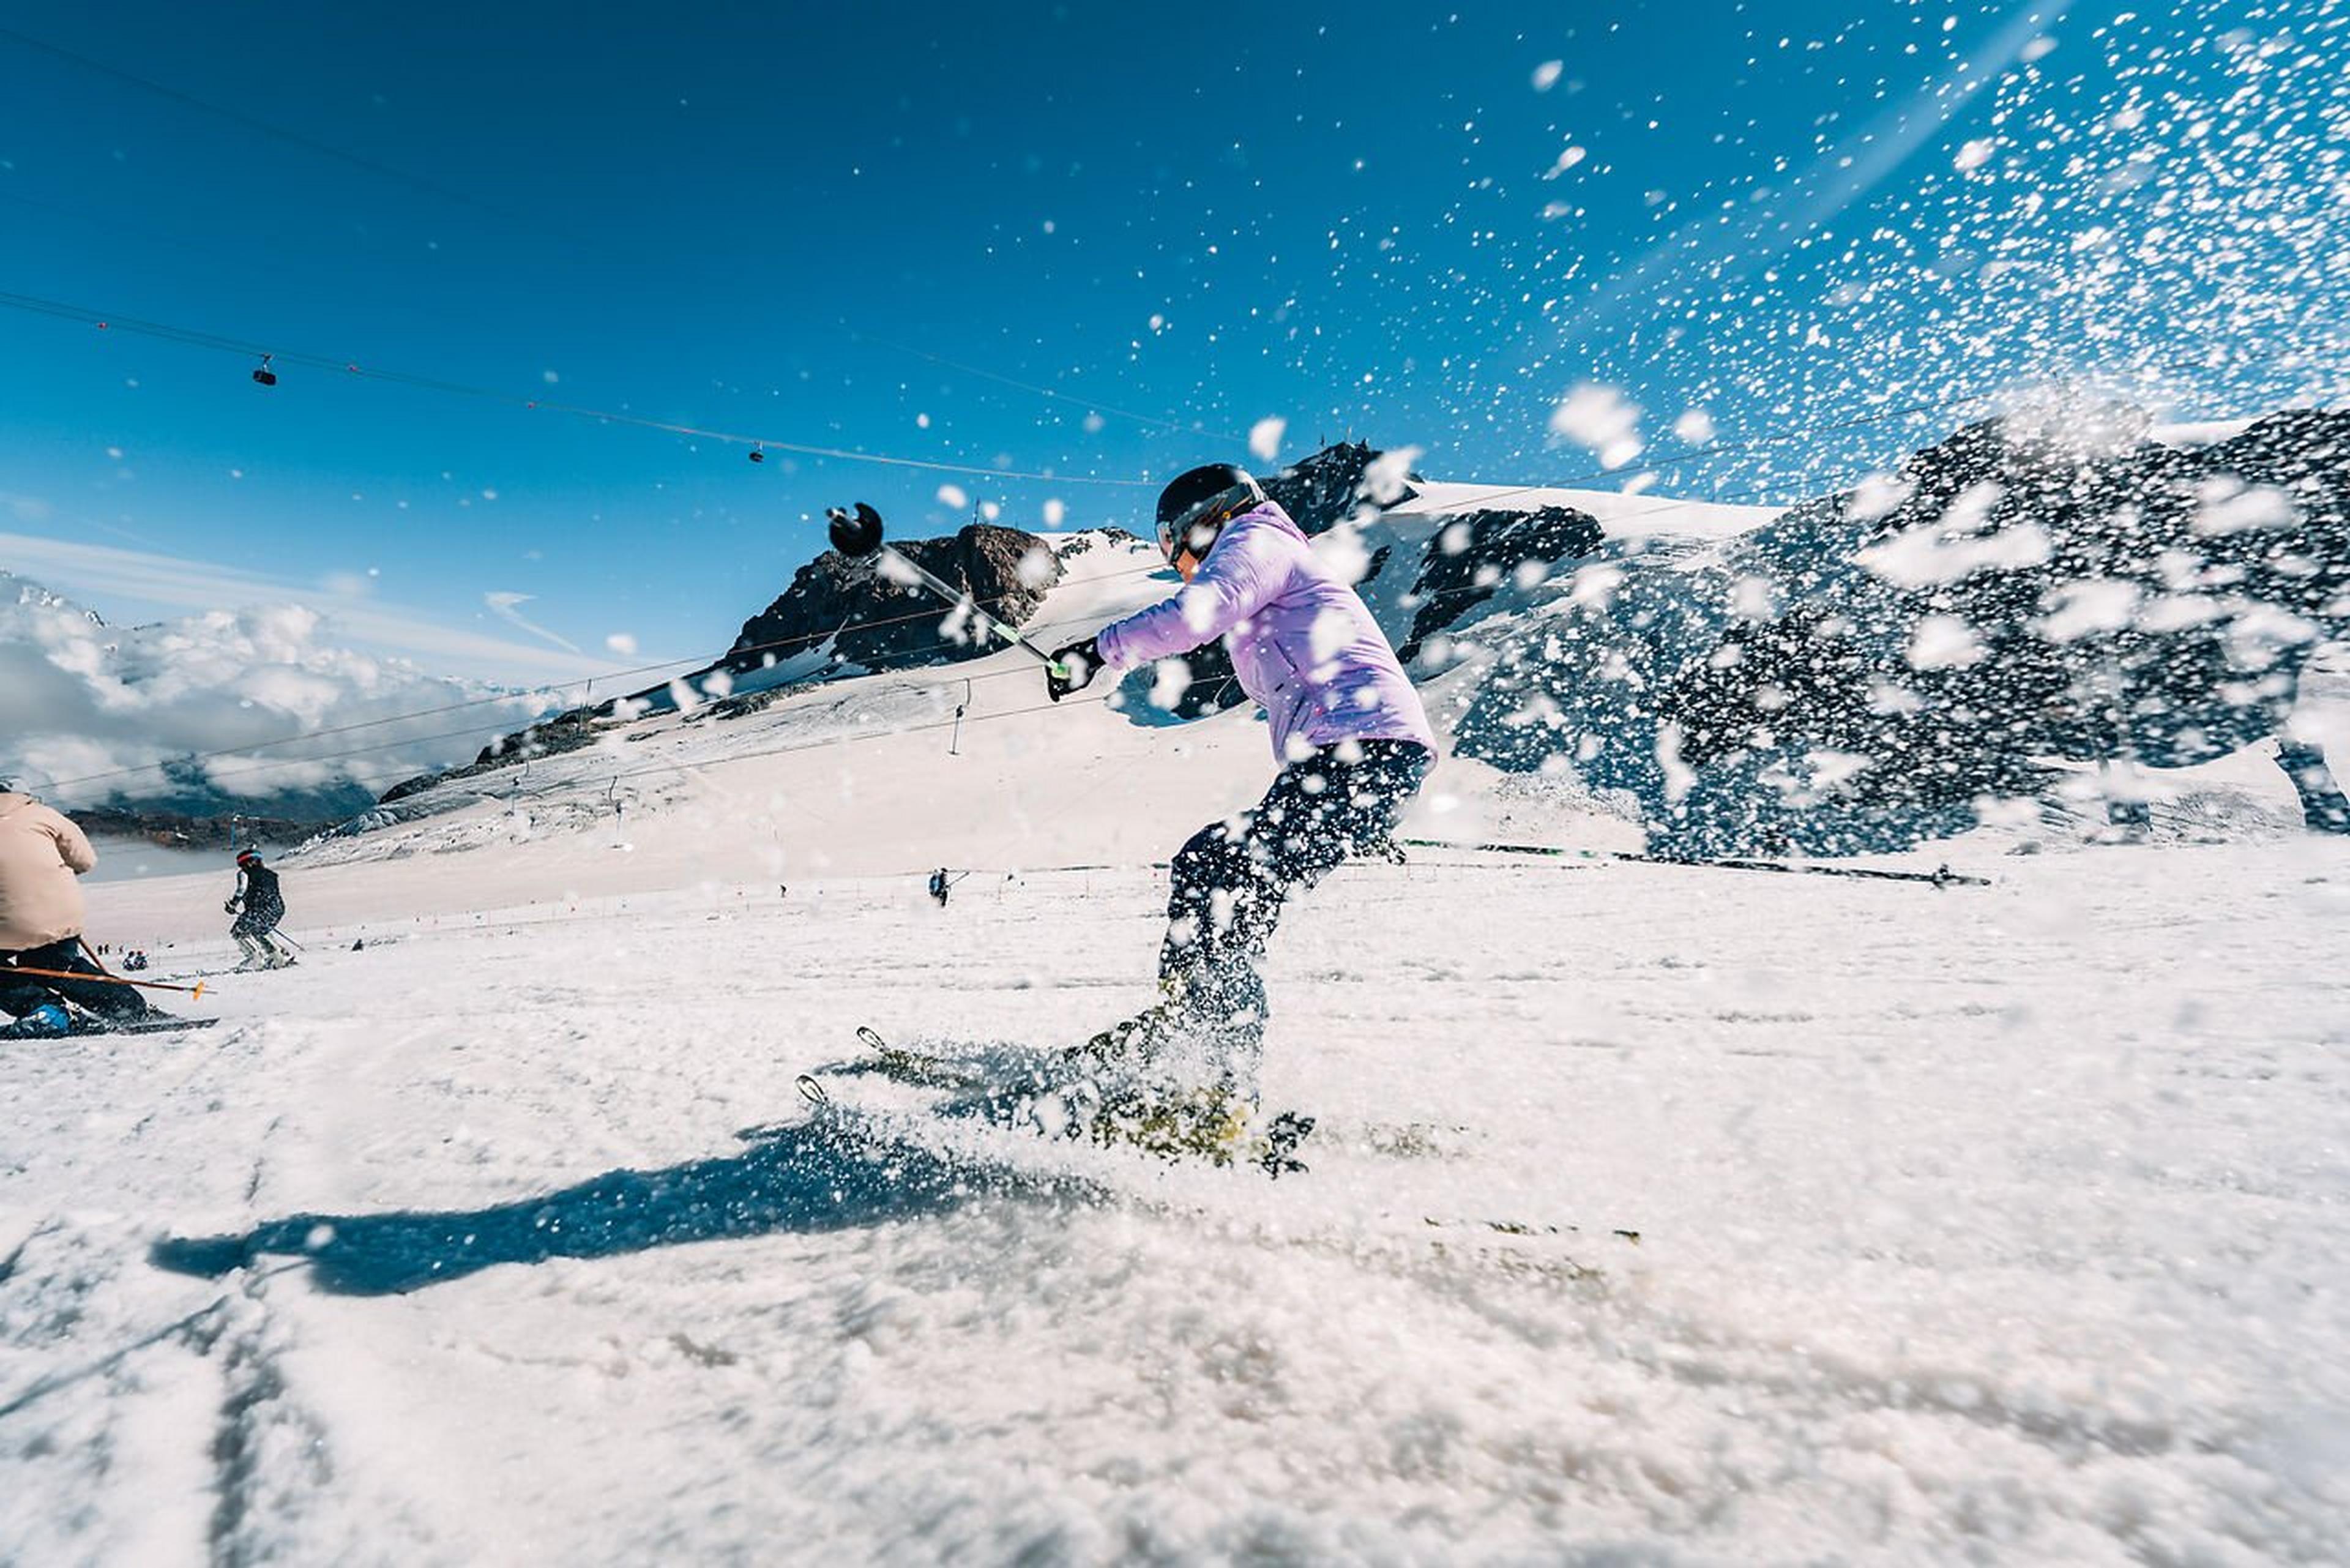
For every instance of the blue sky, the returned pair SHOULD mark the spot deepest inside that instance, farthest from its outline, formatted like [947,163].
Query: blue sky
[1424,225]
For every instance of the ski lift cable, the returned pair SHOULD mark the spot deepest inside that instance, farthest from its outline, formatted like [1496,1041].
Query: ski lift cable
[248,349]
[1184,427]
[417,181]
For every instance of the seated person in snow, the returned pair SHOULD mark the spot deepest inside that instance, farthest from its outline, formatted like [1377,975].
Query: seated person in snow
[41,854]
[1348,732]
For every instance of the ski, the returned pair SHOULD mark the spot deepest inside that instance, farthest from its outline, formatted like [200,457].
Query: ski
[1159,1131]
[919,1067]
[1941,877]
[144,1026]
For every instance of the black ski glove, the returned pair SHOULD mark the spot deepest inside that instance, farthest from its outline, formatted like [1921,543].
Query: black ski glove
[1073,668]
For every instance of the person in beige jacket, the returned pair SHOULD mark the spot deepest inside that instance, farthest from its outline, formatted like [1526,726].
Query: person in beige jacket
[41,854]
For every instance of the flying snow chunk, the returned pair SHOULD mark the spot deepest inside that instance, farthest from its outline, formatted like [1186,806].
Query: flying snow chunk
[1055,510]
[1695,427]
[2226,507]
[1387,480]
[1546,75]
[1567,161]
[1170,678]
[1264,439]
[622,643]
[1331,631]
[2089,605]
[1974,154]
[953,495]
[1601,420]
[1679,774]
[1945,643]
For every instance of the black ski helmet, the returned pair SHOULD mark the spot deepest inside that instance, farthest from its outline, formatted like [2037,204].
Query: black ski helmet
[1195,506]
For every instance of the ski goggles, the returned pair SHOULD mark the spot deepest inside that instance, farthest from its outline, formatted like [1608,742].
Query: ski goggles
[1174,532]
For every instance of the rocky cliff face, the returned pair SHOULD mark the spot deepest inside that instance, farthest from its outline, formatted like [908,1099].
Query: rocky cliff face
[182,830]
[876,622]
[1473,554]
[837,612]
[1859,672]
[1323,491]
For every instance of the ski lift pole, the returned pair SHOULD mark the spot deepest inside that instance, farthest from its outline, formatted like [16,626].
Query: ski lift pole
[858,537]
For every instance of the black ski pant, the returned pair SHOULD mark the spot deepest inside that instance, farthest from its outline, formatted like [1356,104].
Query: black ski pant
[1231,877]
[20,994]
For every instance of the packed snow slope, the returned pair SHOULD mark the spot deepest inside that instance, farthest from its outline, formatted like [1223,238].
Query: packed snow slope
[1979,1224]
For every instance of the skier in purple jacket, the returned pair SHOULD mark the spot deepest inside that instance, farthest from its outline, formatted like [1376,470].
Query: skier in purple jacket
[1347,728]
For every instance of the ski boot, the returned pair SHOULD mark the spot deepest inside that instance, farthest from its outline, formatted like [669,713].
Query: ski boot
[1130,1045]
[47,1022]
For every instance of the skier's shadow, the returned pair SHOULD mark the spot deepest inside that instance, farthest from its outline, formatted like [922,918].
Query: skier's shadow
[808,1178]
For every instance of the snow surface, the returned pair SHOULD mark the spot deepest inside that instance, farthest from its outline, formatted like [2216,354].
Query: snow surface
[1623,515]
[1984,1224]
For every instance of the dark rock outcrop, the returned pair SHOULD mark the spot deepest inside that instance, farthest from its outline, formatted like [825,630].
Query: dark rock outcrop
[878,622]
[183,830]
[1323,491]
[1473,554]
[837,613]
[1859,672]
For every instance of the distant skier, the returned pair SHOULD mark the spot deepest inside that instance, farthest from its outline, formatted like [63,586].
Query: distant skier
[1353,745]
[41,853]
[940,884]
[258,906]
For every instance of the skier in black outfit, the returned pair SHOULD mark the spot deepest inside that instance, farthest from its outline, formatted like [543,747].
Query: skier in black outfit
[258,906]
[939,885]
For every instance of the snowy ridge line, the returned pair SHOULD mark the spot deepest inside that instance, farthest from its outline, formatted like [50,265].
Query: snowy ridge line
[799,641]
[839,740]
[804,640]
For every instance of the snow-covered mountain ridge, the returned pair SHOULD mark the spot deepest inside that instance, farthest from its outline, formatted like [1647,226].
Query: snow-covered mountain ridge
[1866,671]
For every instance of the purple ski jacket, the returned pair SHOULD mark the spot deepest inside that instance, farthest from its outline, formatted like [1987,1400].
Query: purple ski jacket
[1303,643]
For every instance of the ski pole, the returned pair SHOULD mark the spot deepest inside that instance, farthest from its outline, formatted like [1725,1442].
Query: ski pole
[859,539]
[195,989]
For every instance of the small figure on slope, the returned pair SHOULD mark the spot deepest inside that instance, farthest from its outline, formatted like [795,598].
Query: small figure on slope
[41,854]
[258,906]
[1353,744]
[939,885]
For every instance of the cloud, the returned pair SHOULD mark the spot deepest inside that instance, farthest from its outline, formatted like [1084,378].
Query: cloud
[88,711]
[502,606]
[176,583]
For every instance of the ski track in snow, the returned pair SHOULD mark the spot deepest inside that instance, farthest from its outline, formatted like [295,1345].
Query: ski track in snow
[1999,1224]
